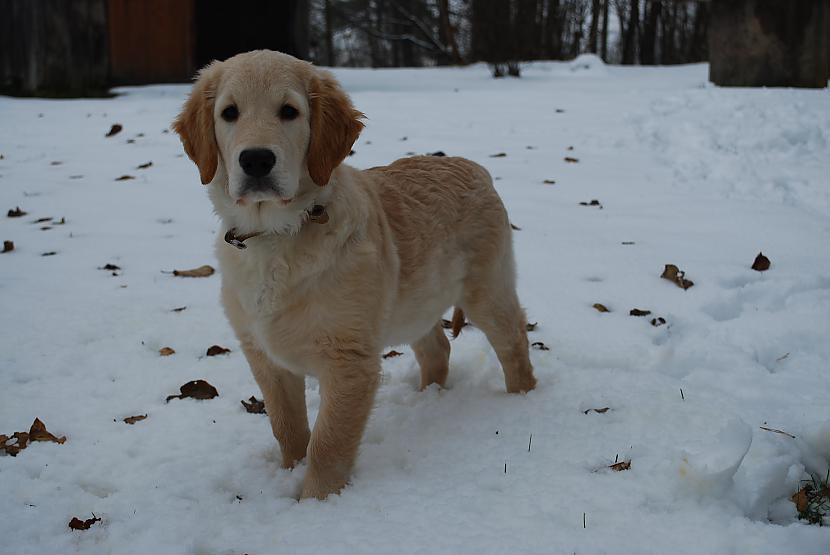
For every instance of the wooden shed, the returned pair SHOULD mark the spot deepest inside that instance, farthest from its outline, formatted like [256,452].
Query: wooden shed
[83,47]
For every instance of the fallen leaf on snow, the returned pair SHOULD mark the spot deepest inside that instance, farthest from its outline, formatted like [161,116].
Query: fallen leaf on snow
[38,432]
[8,246]
[201,271]
[196,389]
[215,350]
[498,155]
[657,322]
[254,405]
[549,181]
[601,307]
[78,524]
[391,354]
[179,309]
[603,410]
[676,276]
[514,227]
[133,419]
[125,177]
[109,267]
[571,160]
[16,212]
[593,202]
[166,351]
[114,130]
[538,345]
[761,263]
[638,312]
[436,153]
[49,253]
[531,326]
[144,166]
[14,444]
[620,466]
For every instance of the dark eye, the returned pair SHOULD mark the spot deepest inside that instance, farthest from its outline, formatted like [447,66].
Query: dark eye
[288,112]
[230,113]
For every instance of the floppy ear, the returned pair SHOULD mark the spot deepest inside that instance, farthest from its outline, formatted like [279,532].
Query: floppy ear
[195,124]
[335,126]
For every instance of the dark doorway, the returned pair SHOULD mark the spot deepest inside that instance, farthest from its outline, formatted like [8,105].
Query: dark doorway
[227,28]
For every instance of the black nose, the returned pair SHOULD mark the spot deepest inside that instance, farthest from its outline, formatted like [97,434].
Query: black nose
[257,162]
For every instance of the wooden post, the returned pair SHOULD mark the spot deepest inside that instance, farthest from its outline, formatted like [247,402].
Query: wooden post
[769,43]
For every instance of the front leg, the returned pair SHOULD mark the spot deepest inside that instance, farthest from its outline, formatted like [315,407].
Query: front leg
[284,396]
[347,393]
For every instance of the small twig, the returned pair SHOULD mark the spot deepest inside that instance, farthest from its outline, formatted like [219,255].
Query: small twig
[773,430]
[529,442]
[681,394]
[584,521]
[505,467]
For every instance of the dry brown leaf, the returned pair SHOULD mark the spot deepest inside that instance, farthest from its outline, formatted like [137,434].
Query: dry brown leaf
[133,419]
[657,322]
[638,312]
[603,410]
[38,432]
[601,307]
[571,160]
[167,351]
[16,212]
[125,177]
[109,267]
[144,166]
[114,130]
[498,155]
[14,444]
[761,264]
[196,389]
[549,181]
[254,405]
[538,345]
[391,354]
[8,246]
[216,350]
[620,466]
[201,271]
[676,276]
[78,524]
[801,499]
[531,326]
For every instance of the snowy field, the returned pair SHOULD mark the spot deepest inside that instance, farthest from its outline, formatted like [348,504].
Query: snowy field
[685,173]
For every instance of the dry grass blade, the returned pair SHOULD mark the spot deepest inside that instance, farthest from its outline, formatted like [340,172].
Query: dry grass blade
[775,431]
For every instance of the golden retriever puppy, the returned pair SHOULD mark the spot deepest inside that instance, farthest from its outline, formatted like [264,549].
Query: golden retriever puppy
[324,265]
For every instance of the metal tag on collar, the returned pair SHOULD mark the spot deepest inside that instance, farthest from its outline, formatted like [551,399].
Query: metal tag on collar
[232,239]
[318,214]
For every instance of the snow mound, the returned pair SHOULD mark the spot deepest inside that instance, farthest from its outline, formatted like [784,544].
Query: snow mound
[588,64]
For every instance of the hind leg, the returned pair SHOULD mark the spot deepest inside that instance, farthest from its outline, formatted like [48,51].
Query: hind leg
[433,354]
[493,306]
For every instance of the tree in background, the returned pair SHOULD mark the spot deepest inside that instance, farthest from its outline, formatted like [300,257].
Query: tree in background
[394,33]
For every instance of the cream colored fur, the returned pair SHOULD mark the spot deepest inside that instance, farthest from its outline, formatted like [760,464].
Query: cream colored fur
[403,244]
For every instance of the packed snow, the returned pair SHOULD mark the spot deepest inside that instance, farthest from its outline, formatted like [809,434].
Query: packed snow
[684,173]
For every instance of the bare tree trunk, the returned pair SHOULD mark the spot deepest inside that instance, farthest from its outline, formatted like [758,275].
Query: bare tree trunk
[329,39]
[592,35]
[604,46]
[649,36]
[629,54]
[447,32]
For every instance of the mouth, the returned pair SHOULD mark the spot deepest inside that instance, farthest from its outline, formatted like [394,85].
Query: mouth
[246,200]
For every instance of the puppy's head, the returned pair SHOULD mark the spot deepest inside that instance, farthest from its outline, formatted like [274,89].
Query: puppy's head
[263,127]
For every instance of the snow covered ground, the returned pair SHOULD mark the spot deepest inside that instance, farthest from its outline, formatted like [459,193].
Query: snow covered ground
[686,174]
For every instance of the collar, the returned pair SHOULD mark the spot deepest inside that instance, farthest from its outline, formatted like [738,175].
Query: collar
[317,214]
